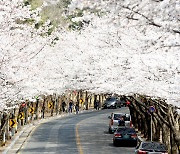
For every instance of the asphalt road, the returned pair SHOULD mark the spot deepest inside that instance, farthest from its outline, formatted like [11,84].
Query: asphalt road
[85,133]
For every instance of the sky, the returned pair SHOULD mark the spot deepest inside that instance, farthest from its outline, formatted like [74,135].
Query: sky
[132,47]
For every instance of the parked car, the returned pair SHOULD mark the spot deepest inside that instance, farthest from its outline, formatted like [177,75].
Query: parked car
[119,119]
[125,136]
[111,102]
[148,147]
[123,101]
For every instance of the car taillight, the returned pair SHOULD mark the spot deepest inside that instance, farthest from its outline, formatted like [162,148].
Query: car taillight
[142,152]
[133,136]
[117,135]
[131,124]
[111,122]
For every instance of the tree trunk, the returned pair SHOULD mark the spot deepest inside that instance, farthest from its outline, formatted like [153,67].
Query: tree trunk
[146,127]
[86,100]
[166,137]
[37,108]
[156,130]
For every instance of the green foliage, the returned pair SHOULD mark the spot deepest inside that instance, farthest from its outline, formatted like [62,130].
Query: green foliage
[56,39]
[99,13]
[50,30]
[29,21]
[79,13]
[26,3]
[34,3]
[39,24]
[76,25]
[52,13]
[26,21]
[64,3]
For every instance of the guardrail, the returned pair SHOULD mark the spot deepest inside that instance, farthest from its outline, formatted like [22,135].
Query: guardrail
[156,120]
[13,120]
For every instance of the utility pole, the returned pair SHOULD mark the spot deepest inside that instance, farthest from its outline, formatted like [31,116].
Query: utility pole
[151,110]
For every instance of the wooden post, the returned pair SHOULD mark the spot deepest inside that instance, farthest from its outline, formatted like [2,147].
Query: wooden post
[52,110]
[156,130]
[37,108]
[146,127]
[78,98]
[14,117]
[86,100]
[89,101]
[173,144]
[135,118]
[92,100]
[173,131]
[7,129]
[4,138]
[81,97]
[59,104]
[101,101]
[32,115]
[95,99]
[26,113]
[134,114]
[43,107]
[56,104]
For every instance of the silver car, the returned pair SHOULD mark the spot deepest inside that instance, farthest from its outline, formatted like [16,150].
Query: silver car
[148,147]
[111,102]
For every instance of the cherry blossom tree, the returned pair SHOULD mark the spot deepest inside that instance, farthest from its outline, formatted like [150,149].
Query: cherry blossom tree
[123,47]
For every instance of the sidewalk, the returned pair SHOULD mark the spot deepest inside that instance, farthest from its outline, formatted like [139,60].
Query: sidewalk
[140,136]
[14,145]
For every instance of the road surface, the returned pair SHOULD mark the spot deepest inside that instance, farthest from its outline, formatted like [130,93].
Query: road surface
[85,133]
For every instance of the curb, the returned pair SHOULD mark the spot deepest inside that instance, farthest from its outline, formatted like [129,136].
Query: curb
[33,125]
[140,138]
[14,141]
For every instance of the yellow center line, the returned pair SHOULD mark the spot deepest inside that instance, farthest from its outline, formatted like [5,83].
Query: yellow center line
[78,142]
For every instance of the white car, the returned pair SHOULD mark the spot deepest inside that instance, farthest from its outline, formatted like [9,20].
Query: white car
[119,119]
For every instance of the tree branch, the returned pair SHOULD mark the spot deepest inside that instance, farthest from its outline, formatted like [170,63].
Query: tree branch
[151,22]
[38,52]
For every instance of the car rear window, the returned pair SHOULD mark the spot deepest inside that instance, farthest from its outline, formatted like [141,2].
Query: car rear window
[111,99]
[119,116]
[126,130]
[127,118]
[154,146]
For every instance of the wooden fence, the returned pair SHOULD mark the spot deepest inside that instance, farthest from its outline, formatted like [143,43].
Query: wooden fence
[13,120]
[165,120]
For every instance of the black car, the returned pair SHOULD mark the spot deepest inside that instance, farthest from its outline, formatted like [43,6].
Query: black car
[123,101]
[111,102]
[125,136]
[151,147]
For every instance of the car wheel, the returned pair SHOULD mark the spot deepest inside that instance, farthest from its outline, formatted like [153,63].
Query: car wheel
[135,144]
[114,143]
